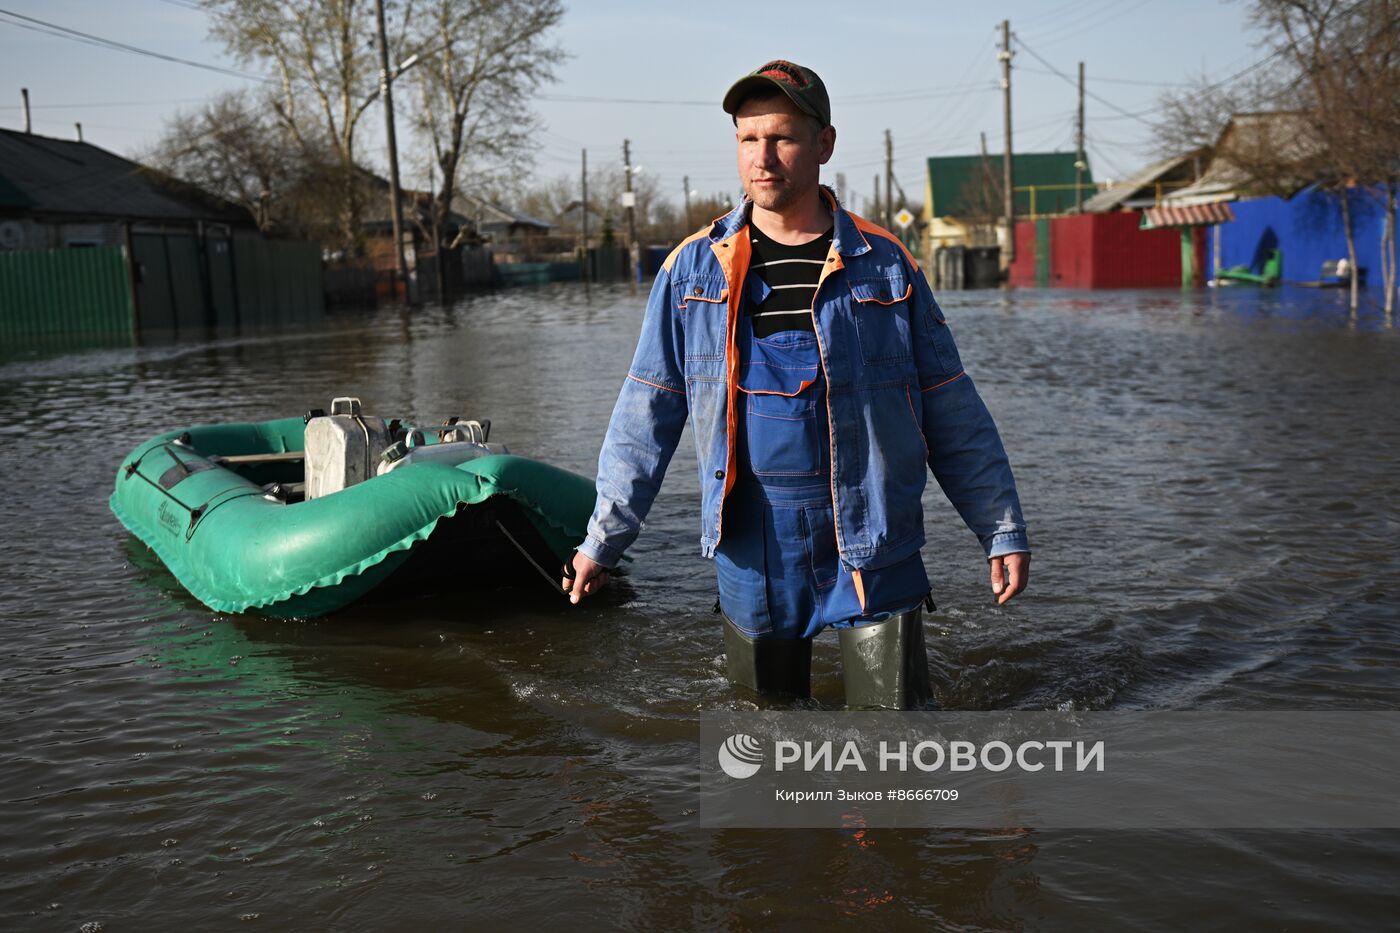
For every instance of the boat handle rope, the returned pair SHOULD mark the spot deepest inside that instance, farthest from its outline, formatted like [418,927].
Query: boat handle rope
[197,513]
[132,470]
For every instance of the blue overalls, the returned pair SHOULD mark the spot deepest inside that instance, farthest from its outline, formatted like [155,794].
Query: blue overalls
[780,576]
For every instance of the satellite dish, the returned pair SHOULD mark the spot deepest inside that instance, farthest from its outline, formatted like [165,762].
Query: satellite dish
[11,235]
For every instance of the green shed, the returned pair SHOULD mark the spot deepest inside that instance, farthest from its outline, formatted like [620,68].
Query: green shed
[1044,183]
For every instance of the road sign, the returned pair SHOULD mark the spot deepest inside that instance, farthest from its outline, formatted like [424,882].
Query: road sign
[903,218]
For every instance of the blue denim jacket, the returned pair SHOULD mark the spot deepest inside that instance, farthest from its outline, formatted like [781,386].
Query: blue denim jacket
[897,399]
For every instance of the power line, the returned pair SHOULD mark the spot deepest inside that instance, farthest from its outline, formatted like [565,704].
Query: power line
[1091,145]
[576,99]
[1235,76]
[1067,24]
[864,100]
[1059,34]
[1052,14]
[53,29]
[957,90]
[1139,115]
[1107,103]
[1103,80]
[111,103]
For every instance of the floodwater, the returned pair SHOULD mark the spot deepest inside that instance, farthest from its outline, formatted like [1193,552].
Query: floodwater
[1212,486]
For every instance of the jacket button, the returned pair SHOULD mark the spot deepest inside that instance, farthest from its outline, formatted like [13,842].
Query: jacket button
[697,290]
[719,474]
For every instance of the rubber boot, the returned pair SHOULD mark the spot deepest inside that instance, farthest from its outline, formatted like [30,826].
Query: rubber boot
[772,666]
[885,665]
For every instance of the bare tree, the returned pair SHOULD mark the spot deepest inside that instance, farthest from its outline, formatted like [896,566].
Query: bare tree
[556,200]
[982,204]
[480,62]
[235,148]
[228,147]
[605,188]
[327,75]
[1347,55]
[659,220]
[709,207]
[1194,116]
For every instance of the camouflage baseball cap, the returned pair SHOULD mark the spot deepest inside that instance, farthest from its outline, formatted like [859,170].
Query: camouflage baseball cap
[800,84]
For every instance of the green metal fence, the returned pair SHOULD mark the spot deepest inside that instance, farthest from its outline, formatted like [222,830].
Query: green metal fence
[278,281]
[85,296]
[243,280]
[65,293]
[1042,252]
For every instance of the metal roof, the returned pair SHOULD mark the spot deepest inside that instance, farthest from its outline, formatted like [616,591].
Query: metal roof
[949,178]
[494,215]
[1138,185]
[1191,215]
[43,175]
[1285,141]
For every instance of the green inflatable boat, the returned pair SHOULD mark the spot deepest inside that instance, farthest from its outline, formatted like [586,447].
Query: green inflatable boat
[226,508]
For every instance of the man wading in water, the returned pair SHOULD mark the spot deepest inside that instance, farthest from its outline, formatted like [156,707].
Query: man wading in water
[821,382]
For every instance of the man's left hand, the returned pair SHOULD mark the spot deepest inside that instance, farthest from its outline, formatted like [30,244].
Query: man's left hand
[1010,574]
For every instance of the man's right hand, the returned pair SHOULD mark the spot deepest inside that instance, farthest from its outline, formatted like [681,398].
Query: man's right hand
[589,577]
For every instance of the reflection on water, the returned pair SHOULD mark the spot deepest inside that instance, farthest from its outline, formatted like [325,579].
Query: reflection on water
[1211,482]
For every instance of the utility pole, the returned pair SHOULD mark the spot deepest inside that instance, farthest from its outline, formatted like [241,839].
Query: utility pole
[889,180]
[1079,162]
[79,128]
[24,105]
[395,207]
[629,201]
[1008,178]
[438,266]
[583,179]
[877,213]
[841,187]
[688,226]
[989,183]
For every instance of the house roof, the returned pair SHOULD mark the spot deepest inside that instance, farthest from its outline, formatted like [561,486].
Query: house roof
[493,215]
[1249,144]
[466,208]
[1142,185]
[417,206]
[949,178]
[1188,215]
[43,175]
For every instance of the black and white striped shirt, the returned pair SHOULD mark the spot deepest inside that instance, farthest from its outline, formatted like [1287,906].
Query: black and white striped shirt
[792,273]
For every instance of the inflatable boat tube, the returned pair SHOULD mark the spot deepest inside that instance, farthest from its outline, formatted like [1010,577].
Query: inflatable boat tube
[202,499]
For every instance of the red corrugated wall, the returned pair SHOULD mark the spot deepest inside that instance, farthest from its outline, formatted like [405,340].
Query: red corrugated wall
[1072,246]
[1103,251]
[1127,257]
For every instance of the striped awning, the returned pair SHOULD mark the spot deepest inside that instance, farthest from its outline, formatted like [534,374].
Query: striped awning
[1189,215]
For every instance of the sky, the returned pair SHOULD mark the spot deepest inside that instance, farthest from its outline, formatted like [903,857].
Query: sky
[654,73]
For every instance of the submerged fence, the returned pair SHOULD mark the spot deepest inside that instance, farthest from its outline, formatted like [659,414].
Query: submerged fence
[173,281]
[80,293]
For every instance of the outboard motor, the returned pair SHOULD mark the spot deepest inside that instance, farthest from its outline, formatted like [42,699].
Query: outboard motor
[473,432]
[342,448]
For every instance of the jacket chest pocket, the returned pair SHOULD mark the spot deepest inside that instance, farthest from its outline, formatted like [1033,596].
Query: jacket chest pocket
[702,301]
[781,383]
[880,307]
